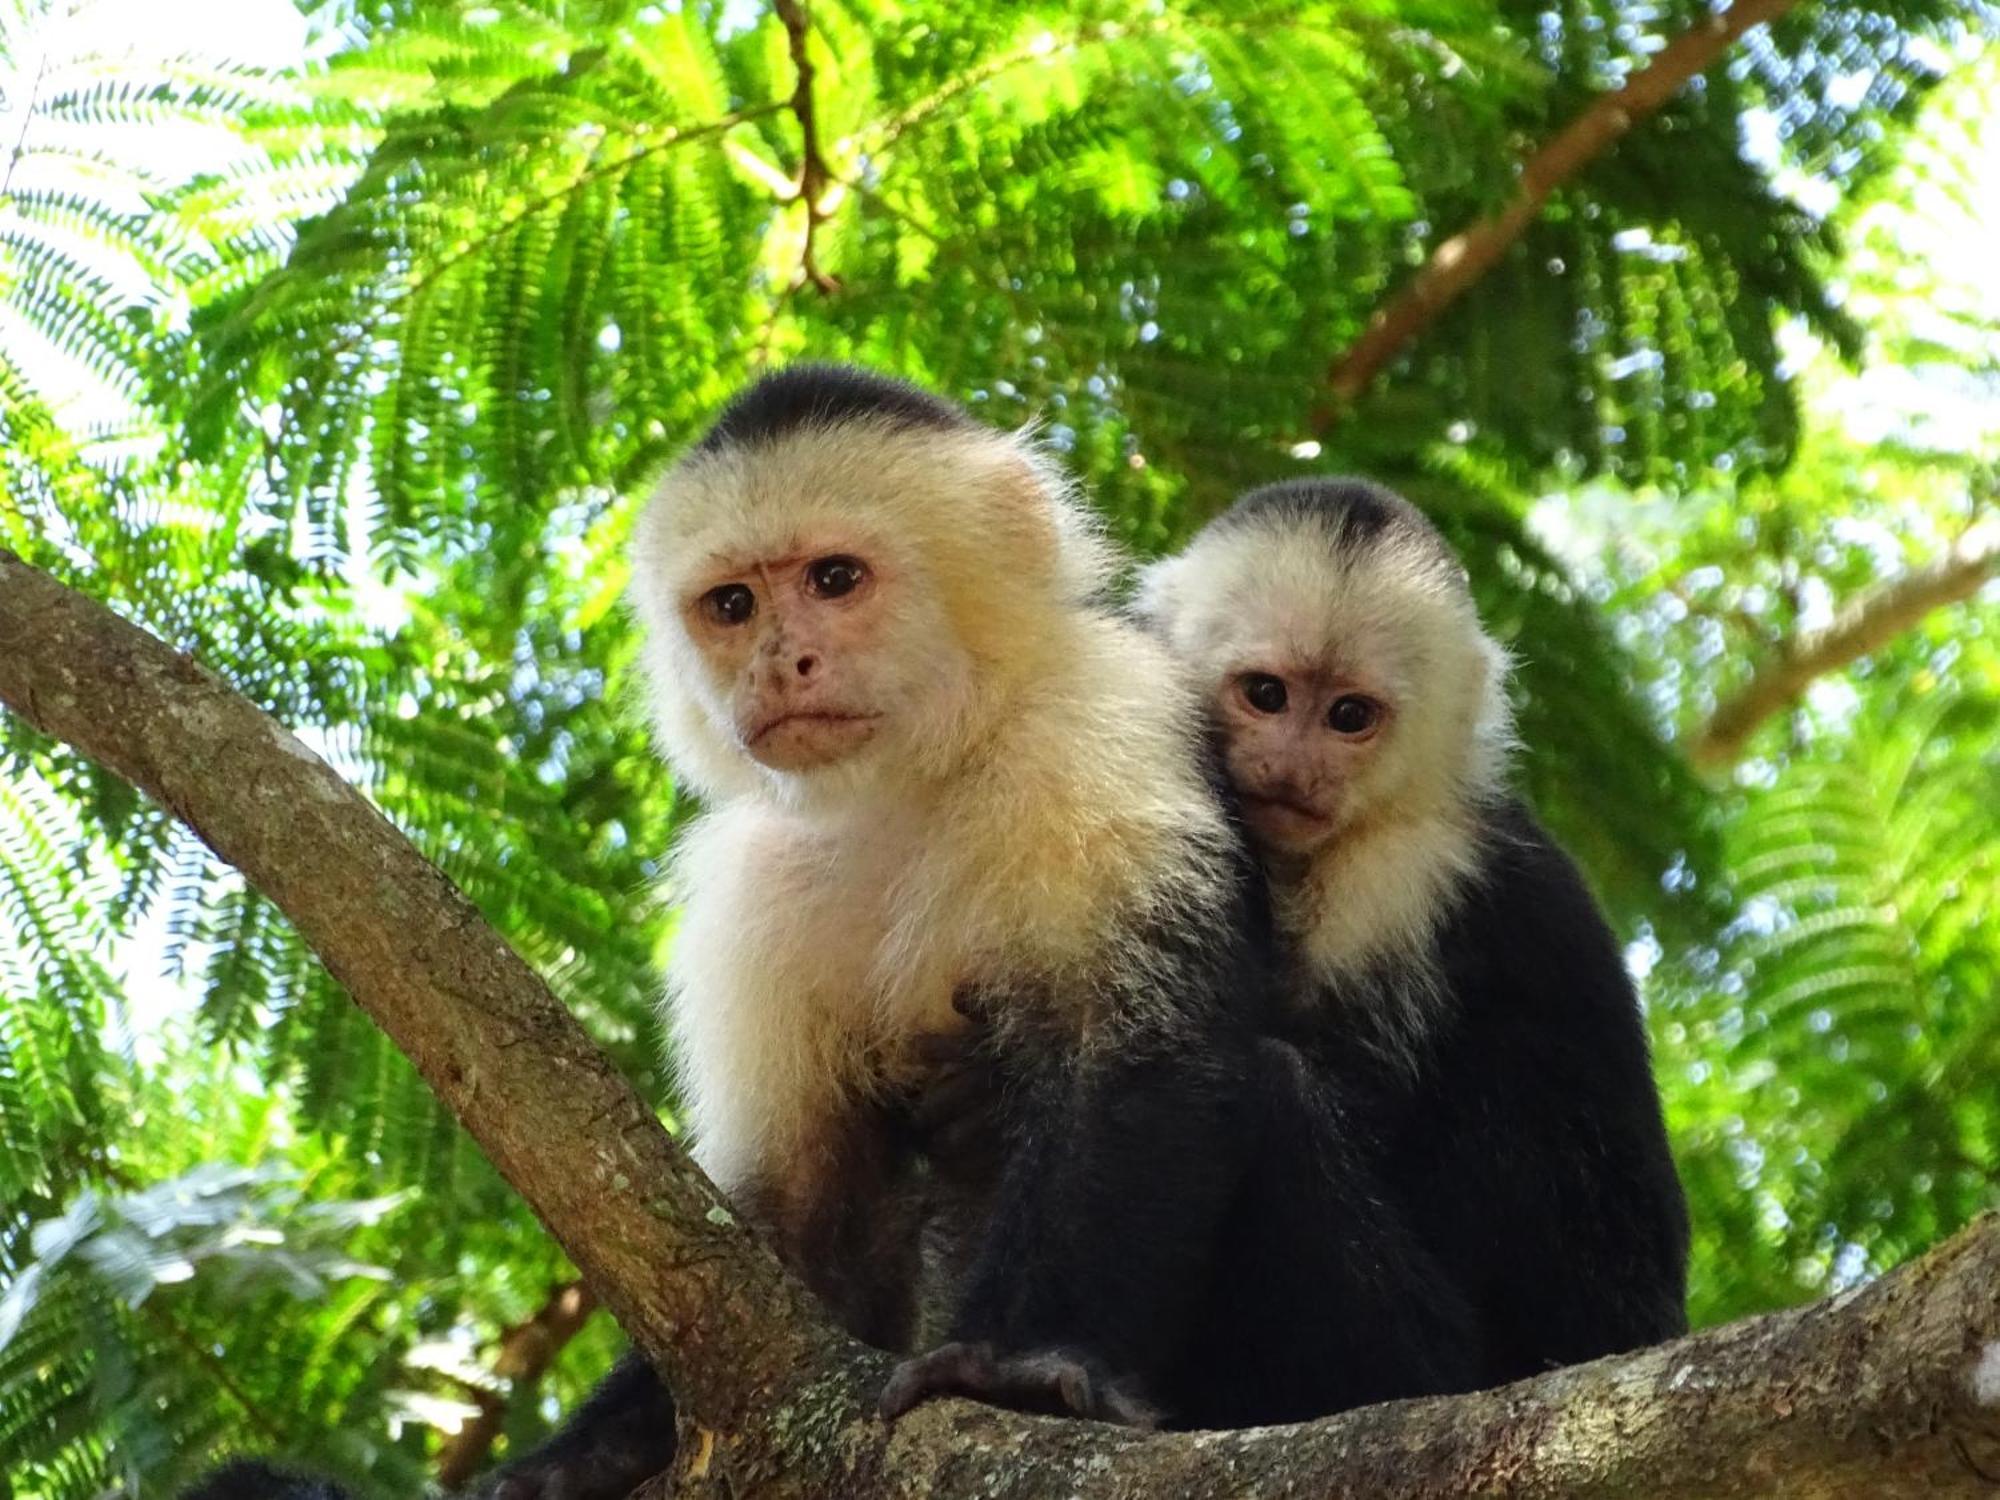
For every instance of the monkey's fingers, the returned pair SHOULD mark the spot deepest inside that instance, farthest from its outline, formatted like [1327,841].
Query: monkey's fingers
[950,1096]
[1051,1382]
[975,1002]
[948,1370]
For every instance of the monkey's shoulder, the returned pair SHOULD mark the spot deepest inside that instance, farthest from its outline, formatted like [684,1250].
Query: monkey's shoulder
[1528,956]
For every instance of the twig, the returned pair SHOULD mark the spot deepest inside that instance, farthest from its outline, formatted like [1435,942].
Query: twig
[27,119]
[1457,263]
[524,1355]
[1868,623]
[813,173]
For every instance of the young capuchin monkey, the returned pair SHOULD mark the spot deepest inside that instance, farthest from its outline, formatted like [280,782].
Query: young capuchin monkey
[1454,990]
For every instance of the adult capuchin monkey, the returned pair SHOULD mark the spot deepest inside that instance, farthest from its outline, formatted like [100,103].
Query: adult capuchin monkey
[1454,986]
[933,765]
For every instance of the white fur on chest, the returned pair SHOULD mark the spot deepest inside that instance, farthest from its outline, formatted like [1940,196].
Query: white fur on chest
[775,991]
[1366,918]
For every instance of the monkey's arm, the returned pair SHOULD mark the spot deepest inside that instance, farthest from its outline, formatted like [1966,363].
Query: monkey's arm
[1099,1245]
[1551,1124]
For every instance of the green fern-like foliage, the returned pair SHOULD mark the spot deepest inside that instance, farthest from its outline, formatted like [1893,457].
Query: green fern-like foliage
[506,329]
[1831,1056]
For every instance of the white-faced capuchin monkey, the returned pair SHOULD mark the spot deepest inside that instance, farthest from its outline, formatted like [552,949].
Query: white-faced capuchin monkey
[933,763]
[1456,995]
[934,766]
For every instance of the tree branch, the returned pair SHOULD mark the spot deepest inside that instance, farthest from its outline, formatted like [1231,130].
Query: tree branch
[1868,623]
[1888,1392]
[814,178]
[1457,263]
[723,1321]
[526,1351]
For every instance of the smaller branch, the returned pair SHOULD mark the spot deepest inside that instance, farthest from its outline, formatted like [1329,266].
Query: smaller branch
[27,119]
[1457,263]
[1868,623]
[813,174]
[526,1351]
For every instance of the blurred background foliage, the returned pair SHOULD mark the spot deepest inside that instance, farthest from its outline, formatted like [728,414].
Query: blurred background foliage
[337,361]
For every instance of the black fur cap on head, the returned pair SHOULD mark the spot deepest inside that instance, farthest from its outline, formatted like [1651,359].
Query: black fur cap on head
[825,395]
[1355,515]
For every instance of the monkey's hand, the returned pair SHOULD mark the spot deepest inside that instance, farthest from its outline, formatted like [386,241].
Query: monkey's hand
[1054,1382]
[954,1114]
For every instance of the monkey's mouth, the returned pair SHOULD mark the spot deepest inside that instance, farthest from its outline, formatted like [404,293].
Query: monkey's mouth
[1283,810]
[805,720]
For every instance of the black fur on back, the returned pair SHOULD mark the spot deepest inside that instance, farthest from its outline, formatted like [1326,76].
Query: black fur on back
[1508,1206]
[1356,515]
[824,395]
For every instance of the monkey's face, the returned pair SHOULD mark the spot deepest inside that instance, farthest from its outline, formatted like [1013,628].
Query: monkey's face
[1349,685]
[1338,646]
[1299,738]
[787,639]
[819,653]
[843,614]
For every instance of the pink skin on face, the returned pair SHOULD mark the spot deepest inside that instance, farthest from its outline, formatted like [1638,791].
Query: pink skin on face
[788,634]
[1294,740]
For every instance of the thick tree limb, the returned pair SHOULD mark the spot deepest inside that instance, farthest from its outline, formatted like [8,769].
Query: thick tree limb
[651,1234]
[1868,623]
[1457,263]
[1888,1392]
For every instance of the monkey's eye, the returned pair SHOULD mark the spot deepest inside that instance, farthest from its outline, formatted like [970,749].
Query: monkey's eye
[831,577]
[1264,692]
[729,603]
[1353,714]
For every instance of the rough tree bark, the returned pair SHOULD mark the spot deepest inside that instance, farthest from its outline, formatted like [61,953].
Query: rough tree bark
[1868,623]
[1890,1391]
[1457,263]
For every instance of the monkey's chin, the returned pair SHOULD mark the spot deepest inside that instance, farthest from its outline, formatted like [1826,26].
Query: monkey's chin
[810,742]
[1287,827]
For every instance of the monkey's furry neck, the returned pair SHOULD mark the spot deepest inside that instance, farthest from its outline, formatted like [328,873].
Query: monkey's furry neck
[1364,916]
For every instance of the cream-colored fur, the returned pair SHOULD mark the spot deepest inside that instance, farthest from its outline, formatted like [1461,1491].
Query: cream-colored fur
[1048,806]
[1250,592]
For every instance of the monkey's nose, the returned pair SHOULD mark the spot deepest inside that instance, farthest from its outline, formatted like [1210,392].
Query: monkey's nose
[807,665]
